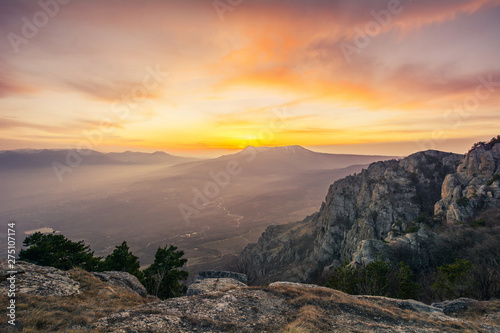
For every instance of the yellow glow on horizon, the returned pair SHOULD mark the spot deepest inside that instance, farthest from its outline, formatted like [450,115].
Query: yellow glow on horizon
[233,83]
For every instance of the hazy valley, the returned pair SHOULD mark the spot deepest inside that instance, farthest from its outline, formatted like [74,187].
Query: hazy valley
[138,197]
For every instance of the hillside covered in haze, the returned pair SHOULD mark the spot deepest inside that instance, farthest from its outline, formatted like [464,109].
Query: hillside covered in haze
[149,199]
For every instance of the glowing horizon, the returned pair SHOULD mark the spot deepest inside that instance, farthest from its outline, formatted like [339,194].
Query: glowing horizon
[391,77]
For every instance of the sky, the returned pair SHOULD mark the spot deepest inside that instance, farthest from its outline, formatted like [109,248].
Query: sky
[208,77]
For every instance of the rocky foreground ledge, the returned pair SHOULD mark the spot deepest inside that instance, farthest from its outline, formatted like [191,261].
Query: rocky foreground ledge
[286,307]
[78,301]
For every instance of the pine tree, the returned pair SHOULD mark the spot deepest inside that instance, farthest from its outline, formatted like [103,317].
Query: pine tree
[57,251]
[121,259]
[162,277]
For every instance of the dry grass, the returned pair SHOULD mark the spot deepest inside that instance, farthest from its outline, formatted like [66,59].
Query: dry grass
[296,330]
[71,313]
[320,310]
[485,311]
[212,324]
[314,310]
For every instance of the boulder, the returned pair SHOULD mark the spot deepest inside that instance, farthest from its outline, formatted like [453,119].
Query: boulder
[222,274]
[124,280]
[455,305]
[212,285]
[38,280]
[212,281]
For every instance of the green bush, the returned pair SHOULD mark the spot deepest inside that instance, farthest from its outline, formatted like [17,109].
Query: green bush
[412,228]
[420,218]
[57,251]
[451,280]
[493,179]
[376,278]
[407,288]
[478,223]
[344,278]
[463,201]
[121,259]
[162,277]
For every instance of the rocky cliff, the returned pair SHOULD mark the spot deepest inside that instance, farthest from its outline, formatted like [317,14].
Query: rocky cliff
[475,185]
[397,201]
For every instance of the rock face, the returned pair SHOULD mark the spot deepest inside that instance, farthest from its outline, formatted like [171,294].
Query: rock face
[475,185]
[222,275]
[123,280]
[212,281]
[212,285]
[285,306]
[384,202]
[455,305]
[49,281]
[38,280]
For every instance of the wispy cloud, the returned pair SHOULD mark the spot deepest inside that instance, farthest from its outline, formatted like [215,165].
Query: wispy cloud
[227,76]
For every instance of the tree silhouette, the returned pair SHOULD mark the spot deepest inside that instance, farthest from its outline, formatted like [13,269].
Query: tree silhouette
[121,259]
[58,251]
[162,277]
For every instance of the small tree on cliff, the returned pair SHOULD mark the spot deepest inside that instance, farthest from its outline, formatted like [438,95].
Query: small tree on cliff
[57,251]
[121,259]
[162,277]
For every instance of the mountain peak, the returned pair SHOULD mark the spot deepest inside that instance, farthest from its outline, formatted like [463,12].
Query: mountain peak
[288,149]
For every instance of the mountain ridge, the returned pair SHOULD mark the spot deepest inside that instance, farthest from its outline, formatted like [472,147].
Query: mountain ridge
[38,158]
[363,212]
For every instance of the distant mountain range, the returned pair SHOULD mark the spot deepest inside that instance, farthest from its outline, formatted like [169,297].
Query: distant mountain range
[114,193]
[39,158]
[265,160]
[283,160]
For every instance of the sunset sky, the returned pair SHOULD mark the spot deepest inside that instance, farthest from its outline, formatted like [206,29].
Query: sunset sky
[187,77]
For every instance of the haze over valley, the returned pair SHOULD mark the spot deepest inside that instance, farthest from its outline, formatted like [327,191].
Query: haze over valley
[210,208]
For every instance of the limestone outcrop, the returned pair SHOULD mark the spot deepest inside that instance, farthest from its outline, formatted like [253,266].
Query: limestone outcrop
[37,280]
[474,186]
[213,281]
[382,203]
[284,307]
[124,280]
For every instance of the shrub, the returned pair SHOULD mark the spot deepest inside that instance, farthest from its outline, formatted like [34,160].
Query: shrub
[451,280]
[344,278]
[463,201]
[420,218]
[407,288]
[493,179]
[57,251]
[412,228]
[478,223]
[121,259]
[162,277]
[376,278]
